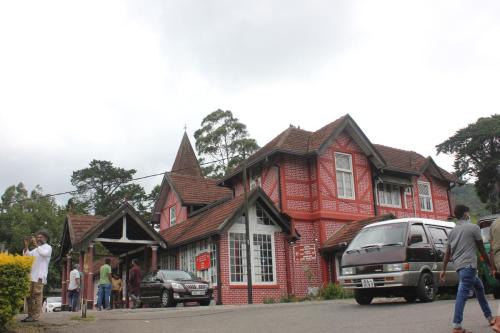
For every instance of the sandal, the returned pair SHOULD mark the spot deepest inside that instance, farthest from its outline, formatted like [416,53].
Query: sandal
[28,320]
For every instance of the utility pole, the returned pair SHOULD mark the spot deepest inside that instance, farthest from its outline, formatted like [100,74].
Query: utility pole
[247,235]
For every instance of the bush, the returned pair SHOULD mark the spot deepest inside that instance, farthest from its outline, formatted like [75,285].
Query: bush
[335,291]
[14,285]
[269,300]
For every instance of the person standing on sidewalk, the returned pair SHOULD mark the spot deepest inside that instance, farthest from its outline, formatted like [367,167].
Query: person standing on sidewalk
[116,291]
[42,252]
[74,287]
[463,242]
[103,297]
[495,260]
[134,283]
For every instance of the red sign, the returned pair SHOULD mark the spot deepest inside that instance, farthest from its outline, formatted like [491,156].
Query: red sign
[306,252]
[203,261]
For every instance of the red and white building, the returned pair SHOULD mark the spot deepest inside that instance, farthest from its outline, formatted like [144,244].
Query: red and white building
[303,188]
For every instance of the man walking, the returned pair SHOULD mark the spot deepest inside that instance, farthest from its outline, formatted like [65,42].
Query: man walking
[104,285]
[74,287]
[134,283]
[495,260]
[463,242]
[42,252]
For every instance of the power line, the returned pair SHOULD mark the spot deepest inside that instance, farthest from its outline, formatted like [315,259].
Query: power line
[118,184]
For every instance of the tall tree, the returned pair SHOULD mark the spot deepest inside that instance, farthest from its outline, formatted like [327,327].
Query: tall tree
[23,214]
[224,140]
[102,187]
[477,154]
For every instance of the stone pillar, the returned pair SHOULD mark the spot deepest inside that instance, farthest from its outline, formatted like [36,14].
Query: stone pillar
[154,258]
[64,284]
[90,277]
[81,262]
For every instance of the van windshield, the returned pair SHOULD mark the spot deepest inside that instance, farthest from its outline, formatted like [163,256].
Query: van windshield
[383,235]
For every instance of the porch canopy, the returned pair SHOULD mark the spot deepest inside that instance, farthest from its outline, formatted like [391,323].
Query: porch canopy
[123,233]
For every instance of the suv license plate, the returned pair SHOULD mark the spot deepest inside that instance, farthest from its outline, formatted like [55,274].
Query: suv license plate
[368,283]
[198,292]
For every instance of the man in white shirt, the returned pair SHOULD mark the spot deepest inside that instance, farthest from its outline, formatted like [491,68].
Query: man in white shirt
[42,252]
[74,287]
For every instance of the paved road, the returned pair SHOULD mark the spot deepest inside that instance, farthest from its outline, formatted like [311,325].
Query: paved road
[310,317]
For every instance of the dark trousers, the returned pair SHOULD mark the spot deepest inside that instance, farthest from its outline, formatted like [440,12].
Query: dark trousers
[116,299]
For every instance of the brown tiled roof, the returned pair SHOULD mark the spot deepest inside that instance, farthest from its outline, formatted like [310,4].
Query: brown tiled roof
[79,225]
[347,233]
[186,162]
[203,224]
[410,161]
[401,160]
[195,190]
[321,135]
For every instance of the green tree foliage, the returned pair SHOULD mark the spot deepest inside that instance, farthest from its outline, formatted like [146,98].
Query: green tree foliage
[101,188]
[477,154]
[23,214]
[223,138]
[467,195]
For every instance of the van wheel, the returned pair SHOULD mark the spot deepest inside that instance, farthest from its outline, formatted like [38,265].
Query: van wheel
[362,297]
[426,289]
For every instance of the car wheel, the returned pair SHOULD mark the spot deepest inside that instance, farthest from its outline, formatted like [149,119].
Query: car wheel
[362,297]
[410,299]
[426,289]
[205,303]
[166,299]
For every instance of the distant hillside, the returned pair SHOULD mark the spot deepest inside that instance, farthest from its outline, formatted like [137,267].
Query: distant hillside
[466,195]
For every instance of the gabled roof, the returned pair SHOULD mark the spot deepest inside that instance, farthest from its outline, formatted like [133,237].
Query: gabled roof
[410,162]
[296,141]
[186,162]
[219,216]
[346,234]
[114,217]
[79,225]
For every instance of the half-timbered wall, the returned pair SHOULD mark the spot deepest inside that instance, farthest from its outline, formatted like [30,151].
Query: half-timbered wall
[181,211]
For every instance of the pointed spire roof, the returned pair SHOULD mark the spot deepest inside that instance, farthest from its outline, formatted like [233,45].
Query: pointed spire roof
[186,162]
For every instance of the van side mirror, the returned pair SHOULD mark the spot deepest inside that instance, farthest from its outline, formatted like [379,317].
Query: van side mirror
[416,239]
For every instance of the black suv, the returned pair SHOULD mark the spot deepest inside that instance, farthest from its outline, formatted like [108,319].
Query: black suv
[169,287]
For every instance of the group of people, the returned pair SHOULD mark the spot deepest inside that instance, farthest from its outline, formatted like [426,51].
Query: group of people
[110,287]
[110,284]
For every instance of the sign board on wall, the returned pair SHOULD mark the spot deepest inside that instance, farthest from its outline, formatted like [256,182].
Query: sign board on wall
[203,261]
[305,252]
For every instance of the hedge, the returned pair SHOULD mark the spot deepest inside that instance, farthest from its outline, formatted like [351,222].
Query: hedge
[14,285]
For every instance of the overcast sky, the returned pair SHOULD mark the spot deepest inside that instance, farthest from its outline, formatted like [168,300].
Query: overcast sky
[119,80]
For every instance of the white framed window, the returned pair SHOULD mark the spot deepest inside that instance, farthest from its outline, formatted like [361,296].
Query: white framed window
[263,258]
[345,177]
[425,196]
[172,216]
[262,249]
[238,257]
[408,192]
[262,216]
[255,181]
[389,195]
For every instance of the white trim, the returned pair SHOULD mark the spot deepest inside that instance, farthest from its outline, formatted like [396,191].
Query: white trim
[351,172]
[428,184]
[170,209]
[129,241]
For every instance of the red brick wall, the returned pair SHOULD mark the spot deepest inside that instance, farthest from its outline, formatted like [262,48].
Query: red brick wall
[181,212]
[440,204]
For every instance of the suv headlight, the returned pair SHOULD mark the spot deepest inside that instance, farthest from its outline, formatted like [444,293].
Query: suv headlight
[393,267]
[176,285]
[348,271]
